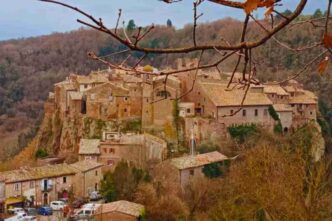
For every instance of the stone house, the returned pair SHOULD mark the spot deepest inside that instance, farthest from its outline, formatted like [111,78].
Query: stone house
[192,166]
[215,101]
[41,185]
[88,176]
[294,105]
[108,101]
[120,211]
[158,100]
[114,147]
[89,149]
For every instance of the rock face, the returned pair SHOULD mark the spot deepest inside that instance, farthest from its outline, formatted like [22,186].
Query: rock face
[60,135]
[318,142]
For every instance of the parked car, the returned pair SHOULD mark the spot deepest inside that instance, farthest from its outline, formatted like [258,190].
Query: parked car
[65,200]
[81,214]
[21,216]
[57,205]
[15,210]
[18,217]
[95,195]
[31,211]
[30,218]
[79,202]
[45,211]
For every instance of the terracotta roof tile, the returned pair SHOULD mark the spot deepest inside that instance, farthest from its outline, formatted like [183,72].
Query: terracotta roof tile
[86,165]
[122,206]
[197,160]
[35,173]
[221,96]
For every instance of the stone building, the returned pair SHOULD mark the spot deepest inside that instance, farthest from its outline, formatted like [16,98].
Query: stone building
[114,147]
[294,105]
[192,166]
[41,185]
[120,211]
[158,100]
[88,176]
[108,101]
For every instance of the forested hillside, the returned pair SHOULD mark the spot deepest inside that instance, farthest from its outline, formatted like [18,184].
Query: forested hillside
[30,67]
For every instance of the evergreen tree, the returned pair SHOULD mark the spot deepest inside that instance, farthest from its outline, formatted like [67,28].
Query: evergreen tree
[131,25]
[169,23]
[318,14]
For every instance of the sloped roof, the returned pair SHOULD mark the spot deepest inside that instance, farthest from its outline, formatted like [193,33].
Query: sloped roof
[89,146]
[290,88]
[36,173]
[121,90]
[275,89]
[304,97]
[122,206]
[132,79]
[223,97]
[92,78]
[86,165]
[74,95]
[282,107]
[197,160]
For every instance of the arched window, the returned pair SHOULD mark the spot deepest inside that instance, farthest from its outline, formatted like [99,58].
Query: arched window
[163,94]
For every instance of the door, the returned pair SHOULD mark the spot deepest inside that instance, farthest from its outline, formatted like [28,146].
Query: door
[45,199]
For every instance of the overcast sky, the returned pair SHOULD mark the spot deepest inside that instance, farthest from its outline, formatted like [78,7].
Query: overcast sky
[25,18]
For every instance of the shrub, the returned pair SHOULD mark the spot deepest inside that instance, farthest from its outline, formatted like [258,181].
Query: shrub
[41,153]
[242,132]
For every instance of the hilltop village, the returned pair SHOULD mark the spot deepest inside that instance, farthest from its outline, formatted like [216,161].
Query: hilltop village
[97,121]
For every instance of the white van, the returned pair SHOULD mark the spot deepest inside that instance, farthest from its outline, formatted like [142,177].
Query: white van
[57,205]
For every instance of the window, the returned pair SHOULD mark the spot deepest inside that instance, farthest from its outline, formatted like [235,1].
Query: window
[85,86]
[125,98]
[192,172]
[125,110]
[96,173]
[311,113]
[244,113]
[17,186]
[93,96]
[163,94]
[147,99]
[232,112]
[256,112]
[64,179]
[188,110]
[111,150]
[105,150]
[199,93]
[110,162]
[32,184]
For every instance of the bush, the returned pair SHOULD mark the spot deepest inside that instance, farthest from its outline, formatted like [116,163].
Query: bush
[241,132]
[41,153]
[212,170]
[132,126]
